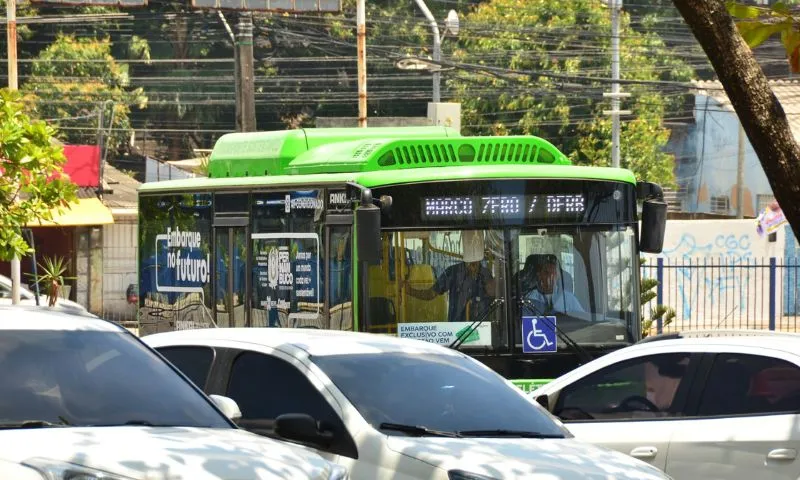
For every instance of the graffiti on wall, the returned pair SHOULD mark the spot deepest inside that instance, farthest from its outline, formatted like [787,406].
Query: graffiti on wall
[705,274]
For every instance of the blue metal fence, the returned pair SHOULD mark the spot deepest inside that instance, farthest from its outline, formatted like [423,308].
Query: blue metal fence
[727,292]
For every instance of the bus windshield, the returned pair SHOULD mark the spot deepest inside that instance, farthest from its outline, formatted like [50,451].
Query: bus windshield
[431,285]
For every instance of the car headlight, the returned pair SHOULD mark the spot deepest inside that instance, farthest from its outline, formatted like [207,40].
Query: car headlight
[338,473]
[462,475]
[60,470]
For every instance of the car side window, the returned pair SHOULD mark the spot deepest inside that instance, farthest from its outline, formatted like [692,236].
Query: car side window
[265,387]
[647,387]
[741,384]
[194,362]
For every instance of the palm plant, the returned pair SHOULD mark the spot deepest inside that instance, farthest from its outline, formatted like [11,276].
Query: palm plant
[52,277]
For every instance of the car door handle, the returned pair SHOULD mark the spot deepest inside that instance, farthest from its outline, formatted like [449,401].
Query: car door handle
[644,452]
[782,454]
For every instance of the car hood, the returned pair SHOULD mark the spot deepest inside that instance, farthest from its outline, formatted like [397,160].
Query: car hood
[167,452]
[518,458]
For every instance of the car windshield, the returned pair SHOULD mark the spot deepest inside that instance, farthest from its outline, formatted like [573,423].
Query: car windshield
[97,378]
[443,392]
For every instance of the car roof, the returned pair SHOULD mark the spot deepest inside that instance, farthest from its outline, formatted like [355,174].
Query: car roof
[24,317]
[788,341]
[314,342]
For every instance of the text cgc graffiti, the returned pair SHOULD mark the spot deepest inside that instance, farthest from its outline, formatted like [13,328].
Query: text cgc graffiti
[185,257]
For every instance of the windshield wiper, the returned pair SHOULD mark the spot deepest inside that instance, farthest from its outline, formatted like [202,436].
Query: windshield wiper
[460,339]
[31,424]
[508,433]
[417,430]
[582,353]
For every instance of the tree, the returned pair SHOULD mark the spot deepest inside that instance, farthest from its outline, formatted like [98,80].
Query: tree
[572,39]
[190,94]
[32,182]
[762,117]
[73,79]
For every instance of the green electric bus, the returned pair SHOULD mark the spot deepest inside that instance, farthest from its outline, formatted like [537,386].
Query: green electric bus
[497,246]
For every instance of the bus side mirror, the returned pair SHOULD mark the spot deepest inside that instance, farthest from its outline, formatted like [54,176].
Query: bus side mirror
[368,229]
[654,217]
[654,225]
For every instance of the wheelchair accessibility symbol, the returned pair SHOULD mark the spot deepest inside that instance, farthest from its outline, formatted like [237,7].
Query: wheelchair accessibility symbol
[539,334]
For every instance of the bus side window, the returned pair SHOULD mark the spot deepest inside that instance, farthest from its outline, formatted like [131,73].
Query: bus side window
[340,291]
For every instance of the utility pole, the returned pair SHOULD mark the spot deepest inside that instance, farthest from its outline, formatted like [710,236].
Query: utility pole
[437,49]
[237,70]
[244,47]
[101,144]
[361,51]
[11,37]
[616,7]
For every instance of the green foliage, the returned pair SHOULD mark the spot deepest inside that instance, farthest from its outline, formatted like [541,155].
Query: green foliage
[541,36]
[758,24]
[24,9]
[76,77]
[192,94]
[32,180]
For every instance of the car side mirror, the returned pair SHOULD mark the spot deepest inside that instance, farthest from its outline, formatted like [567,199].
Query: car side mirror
[544,401]
[228,406]
[302,428]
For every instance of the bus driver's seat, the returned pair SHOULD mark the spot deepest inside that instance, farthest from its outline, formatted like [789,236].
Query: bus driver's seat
[421,277]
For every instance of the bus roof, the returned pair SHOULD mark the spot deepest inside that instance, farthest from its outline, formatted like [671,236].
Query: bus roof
[372,157]
[385,178]
[270,153]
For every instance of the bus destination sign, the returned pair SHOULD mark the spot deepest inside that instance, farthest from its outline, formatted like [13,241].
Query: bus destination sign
[504,207]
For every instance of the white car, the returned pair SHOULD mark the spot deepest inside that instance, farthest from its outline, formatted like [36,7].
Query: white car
[710,405]
[82,398]
[387,408]
[28,298]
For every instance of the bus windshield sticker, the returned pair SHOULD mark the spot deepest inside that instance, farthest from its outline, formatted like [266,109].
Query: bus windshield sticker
[444,333]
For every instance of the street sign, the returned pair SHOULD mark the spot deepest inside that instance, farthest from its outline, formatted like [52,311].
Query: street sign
[98,3]
[539,334]
[289,6]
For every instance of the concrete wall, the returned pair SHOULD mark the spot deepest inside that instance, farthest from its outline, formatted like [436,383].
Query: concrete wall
[717,273]
[156,171]
[706,163]
[119,256]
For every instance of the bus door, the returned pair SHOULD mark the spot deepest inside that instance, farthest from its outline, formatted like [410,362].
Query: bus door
[230,275]
[339,270]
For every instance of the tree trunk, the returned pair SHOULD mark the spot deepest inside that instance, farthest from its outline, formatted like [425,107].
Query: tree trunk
[762,116]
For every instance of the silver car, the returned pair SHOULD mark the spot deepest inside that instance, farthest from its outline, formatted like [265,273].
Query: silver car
[28,298]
